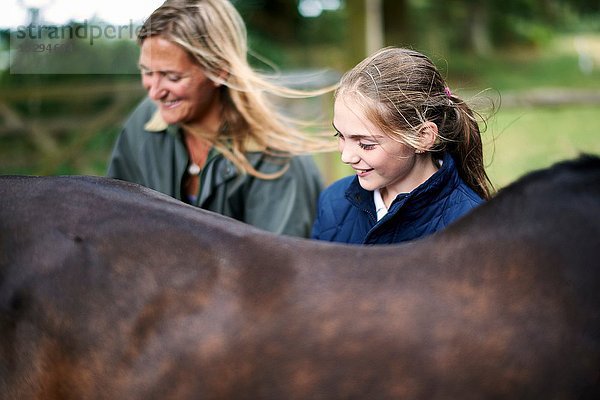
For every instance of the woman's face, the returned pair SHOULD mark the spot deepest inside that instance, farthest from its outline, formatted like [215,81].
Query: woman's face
[178,85]
[379,161]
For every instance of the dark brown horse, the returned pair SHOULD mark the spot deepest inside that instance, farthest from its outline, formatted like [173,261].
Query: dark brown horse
[112,291]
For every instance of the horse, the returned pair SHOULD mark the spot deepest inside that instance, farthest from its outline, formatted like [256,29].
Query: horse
[109,290]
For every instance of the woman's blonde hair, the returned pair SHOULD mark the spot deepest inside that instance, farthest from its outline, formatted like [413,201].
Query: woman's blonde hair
[213,33]
[400,89]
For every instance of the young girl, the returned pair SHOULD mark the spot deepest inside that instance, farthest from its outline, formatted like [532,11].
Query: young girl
[416,149]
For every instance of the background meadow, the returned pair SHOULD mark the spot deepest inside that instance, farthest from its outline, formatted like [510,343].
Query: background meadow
[532,68]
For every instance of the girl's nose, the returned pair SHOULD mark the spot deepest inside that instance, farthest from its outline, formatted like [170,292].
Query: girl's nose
[349,156]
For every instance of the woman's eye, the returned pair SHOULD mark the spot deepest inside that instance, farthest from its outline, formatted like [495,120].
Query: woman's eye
[338,135]
[173,78]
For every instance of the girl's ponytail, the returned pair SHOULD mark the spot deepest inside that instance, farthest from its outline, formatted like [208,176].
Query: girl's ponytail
[465,145]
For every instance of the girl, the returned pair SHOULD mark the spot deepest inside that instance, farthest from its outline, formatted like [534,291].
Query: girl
[416,149]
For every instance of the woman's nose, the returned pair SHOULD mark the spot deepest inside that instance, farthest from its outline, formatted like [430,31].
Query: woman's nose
[154,87]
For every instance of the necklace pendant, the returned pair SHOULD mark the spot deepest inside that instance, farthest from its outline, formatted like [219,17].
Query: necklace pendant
[194,169]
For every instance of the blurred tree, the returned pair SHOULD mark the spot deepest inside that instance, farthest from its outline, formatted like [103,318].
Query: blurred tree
[355,43]
[396,16]
[278,32]
[587,6]
[475,27]
[279,18]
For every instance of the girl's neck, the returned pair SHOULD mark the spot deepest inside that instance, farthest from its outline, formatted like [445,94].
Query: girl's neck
[423,169]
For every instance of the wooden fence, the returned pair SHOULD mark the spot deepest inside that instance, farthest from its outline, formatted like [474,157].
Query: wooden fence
[41,116]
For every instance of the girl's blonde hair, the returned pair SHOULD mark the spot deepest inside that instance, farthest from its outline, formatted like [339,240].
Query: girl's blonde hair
[400,89]
[213,33]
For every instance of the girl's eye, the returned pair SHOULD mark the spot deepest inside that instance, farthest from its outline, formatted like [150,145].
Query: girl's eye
[366,146]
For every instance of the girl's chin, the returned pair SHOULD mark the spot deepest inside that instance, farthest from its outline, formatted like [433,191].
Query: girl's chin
[367,185]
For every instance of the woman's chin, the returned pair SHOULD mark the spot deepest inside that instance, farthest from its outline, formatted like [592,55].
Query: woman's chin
[170,117]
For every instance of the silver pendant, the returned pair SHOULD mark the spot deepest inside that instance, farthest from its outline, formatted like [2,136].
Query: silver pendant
[194,169]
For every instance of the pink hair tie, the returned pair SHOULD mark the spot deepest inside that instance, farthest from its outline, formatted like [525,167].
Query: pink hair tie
[447,91]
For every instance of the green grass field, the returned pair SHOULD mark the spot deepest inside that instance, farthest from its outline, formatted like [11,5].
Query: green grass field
[522,140]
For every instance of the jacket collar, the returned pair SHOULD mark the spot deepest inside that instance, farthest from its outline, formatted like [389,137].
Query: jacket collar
[156,123]
[438,185]
[361,198]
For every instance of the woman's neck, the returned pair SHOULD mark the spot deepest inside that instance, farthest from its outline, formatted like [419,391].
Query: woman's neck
[205,131]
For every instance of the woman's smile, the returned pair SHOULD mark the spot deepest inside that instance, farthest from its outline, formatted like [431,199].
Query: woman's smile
[170,104]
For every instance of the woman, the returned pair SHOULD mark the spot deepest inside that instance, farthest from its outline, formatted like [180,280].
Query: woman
[206,134]
[416,149]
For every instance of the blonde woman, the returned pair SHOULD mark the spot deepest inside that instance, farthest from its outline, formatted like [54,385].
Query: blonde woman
[206,134]
[416,149]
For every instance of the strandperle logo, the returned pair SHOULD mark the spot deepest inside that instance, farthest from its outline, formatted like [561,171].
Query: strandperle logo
[75,48]
[85,30]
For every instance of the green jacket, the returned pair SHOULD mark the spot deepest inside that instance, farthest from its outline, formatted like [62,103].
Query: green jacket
[150,153]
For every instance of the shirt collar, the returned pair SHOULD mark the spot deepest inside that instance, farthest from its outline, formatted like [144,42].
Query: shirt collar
[380,207]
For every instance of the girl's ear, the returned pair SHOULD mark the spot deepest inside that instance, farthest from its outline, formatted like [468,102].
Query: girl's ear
[429,133]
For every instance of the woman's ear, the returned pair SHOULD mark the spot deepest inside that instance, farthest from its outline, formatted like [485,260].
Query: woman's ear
[429,133]
[222,78]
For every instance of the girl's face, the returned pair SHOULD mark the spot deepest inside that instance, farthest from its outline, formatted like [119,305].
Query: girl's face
[182,91]
[379,161]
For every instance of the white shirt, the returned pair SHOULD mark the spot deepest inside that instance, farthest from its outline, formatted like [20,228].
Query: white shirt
[379,204]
